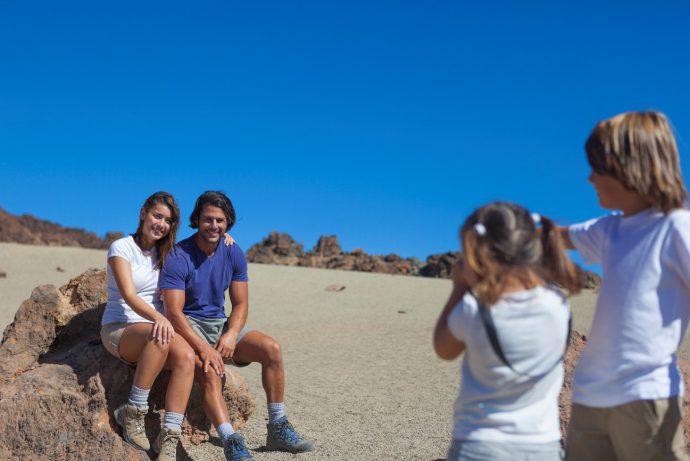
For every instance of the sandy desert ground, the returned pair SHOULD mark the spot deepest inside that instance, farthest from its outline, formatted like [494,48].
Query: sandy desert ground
[362,379]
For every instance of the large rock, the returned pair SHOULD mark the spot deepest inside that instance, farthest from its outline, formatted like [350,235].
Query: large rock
[277,248]
[59,387]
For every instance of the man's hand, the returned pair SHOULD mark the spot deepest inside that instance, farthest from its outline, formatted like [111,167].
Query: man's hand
[210,357]
[226,344]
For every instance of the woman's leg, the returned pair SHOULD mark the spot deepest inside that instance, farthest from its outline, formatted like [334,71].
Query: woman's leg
[180,362]
[138,346]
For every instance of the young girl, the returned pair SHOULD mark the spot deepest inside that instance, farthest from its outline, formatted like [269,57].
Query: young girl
[513,325]
[627,387]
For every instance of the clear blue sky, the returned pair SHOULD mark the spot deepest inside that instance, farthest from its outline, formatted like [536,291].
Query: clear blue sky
[385,123]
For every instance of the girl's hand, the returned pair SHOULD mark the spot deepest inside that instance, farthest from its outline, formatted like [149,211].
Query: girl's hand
[229,241]
[163,330]
[462,276]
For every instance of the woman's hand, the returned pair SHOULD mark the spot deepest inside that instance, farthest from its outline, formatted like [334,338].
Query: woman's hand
[163,330]
[229,241]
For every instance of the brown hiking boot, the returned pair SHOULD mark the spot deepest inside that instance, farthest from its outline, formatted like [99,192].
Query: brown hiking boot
[166,444]
[131,419]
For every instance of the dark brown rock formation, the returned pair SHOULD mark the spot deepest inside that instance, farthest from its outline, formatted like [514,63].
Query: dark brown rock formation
[59,387]
[439,265]
[30,230]
[277,248]
[280,248]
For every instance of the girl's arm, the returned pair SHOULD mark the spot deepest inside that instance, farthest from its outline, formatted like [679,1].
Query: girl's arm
[122,272]
[446,345]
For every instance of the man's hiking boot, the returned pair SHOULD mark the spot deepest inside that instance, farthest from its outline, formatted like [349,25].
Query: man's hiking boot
[166,444]
[235,449]
[282,436]
[131,419]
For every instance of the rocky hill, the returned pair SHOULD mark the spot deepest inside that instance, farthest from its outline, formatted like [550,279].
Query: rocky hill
[280,248]
[31,230]
[277,248]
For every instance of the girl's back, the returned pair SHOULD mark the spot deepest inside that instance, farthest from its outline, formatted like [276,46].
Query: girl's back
[511,405]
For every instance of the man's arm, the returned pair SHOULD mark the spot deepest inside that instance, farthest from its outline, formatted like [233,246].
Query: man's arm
[173,300]
[239,298]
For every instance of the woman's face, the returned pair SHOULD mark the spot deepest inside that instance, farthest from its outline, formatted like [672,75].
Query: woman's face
[156,223]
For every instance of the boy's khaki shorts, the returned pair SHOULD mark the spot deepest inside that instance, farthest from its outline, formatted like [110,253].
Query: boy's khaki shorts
[640,430]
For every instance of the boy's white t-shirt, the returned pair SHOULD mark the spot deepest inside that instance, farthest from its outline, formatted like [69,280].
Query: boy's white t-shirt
[496,404]
[145,276]
[643,308]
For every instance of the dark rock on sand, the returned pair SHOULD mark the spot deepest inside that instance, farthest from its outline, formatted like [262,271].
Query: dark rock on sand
[3,274]
[439,265]
[31,230]
[280,248]
[59,386]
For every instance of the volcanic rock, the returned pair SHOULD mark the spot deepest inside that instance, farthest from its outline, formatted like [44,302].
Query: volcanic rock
[439,265]
[31,230]
[280,248]
[277,248]
[59,386]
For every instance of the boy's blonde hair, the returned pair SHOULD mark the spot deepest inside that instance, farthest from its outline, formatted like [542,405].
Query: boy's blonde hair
[501,240]
[639,150]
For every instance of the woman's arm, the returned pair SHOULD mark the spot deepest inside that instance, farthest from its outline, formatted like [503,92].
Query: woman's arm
[122,272]
[446,345]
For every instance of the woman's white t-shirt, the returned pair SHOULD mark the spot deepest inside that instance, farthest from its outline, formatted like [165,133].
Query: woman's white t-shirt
[145,276]
[495,403]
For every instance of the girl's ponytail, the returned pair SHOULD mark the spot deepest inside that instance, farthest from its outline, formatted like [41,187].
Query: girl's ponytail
[557,266]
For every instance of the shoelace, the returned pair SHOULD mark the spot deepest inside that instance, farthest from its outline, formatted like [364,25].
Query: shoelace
[238,447]
[287,432]
[170,445]
[139,424]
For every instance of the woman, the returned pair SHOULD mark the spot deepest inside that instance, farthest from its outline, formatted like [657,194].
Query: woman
[135,329]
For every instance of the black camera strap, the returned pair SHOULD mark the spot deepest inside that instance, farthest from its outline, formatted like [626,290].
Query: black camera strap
[488,321]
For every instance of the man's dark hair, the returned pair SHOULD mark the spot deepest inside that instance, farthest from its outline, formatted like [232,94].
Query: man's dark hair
[215,198]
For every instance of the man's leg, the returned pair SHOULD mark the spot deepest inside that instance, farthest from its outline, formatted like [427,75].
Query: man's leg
[258,347]
[217,413]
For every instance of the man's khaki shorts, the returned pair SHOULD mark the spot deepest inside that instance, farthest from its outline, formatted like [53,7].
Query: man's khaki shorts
[643,430]
[212,329]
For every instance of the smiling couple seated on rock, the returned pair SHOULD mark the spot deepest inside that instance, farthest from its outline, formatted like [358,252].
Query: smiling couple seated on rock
[165,309]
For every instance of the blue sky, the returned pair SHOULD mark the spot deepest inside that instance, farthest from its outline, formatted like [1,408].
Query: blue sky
[384,123]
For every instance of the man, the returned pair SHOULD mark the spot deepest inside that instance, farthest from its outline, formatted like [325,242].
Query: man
[193,282]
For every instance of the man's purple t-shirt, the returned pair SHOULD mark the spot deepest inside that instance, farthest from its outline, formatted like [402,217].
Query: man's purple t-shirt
[203,278]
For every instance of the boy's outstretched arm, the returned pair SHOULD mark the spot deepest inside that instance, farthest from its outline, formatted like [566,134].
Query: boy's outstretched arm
[565,237]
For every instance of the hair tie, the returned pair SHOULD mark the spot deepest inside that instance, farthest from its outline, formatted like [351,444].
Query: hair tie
[536,218]
[480,229]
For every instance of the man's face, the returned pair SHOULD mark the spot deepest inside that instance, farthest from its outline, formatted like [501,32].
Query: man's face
[212,223]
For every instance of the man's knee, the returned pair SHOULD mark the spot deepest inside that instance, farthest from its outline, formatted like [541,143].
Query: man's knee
[273,351]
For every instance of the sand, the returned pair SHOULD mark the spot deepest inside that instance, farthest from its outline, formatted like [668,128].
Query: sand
[362,379]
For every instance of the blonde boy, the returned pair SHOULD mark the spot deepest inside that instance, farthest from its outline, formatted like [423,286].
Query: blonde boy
[627,387]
